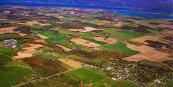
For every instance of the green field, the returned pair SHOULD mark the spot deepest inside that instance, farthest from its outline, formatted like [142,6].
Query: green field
[82,34]
[120,48]
[88,75]
[18,63]
[12,75]
[8,36]
[54,37]
[66,31]
[95,41]
[6,54]
[121,34]
[97,78]
[45,35]
[60,38]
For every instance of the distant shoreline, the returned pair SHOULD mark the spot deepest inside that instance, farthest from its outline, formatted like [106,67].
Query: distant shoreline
[124,11]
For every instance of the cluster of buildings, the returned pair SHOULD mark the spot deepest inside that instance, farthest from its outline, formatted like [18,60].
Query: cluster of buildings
[11,43]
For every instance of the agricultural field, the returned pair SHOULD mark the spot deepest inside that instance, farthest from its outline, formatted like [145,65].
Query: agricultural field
[75,47]
[86,77]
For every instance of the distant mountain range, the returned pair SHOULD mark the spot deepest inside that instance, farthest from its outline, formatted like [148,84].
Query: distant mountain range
[153,6]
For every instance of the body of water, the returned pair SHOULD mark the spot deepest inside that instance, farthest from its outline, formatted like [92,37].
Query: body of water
[139,8]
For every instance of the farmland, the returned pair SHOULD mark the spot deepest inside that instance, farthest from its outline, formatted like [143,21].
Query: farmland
[86,77]
[53,47]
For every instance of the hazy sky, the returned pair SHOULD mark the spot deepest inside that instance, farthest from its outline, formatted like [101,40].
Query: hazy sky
[164,6]
[150,6]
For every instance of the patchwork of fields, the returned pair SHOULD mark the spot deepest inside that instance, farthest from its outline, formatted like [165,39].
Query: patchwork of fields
[53,47]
